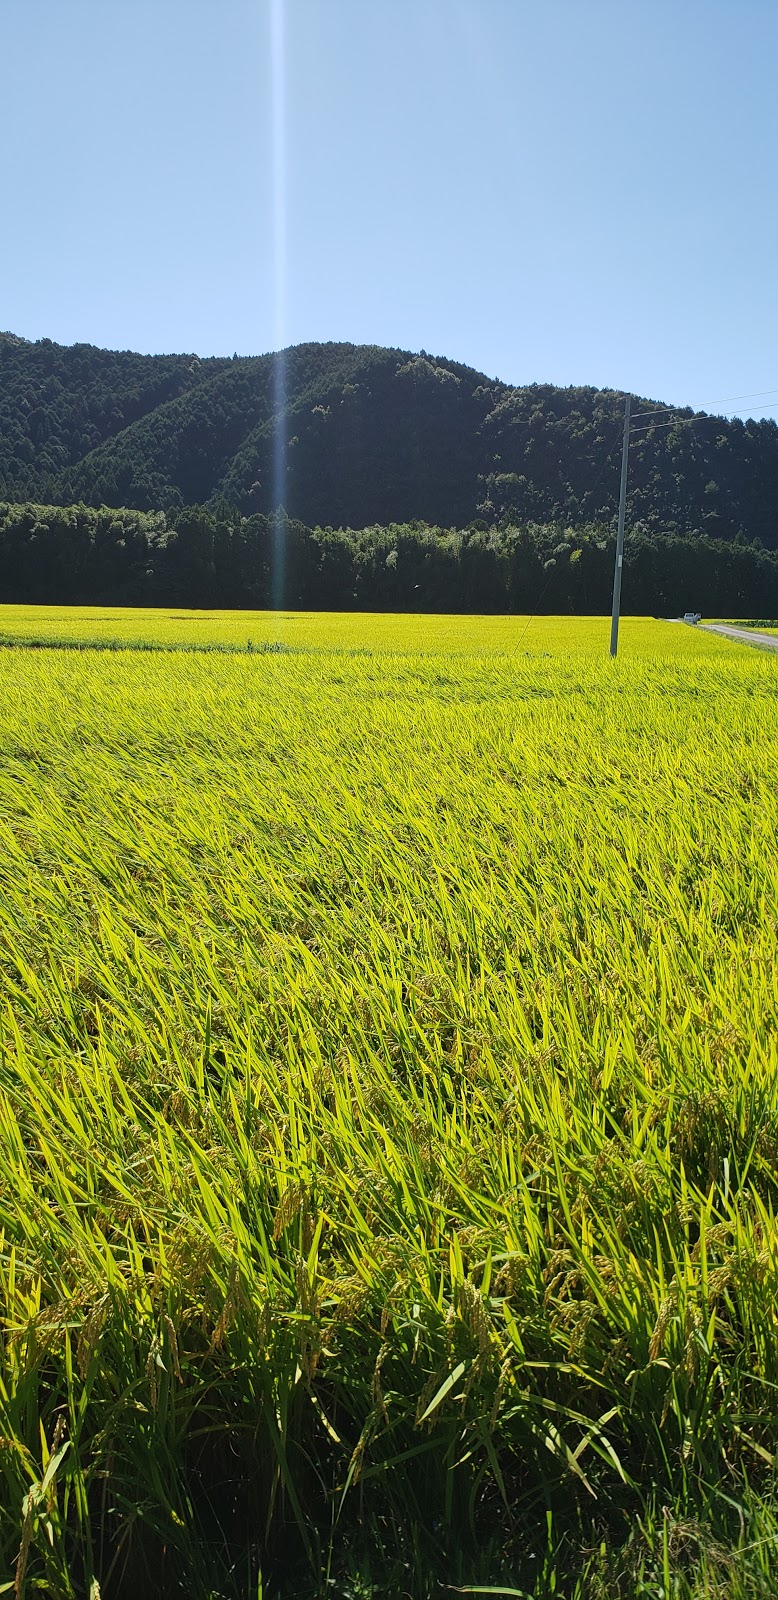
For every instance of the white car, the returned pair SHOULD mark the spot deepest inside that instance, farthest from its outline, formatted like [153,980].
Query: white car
[692,616]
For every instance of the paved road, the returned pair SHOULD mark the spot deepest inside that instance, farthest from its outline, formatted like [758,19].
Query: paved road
[752,636]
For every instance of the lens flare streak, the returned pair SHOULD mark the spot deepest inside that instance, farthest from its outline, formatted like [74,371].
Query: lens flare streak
[279,191]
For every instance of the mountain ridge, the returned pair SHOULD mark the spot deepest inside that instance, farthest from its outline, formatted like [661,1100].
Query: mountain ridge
[356,435]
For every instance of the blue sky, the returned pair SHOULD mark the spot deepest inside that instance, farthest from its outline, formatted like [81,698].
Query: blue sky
[572,191]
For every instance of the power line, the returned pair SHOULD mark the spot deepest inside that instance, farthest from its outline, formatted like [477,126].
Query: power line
[755,394]
[674,422]
[681,422]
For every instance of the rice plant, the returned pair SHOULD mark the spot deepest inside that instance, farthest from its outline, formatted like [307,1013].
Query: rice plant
[388,1110]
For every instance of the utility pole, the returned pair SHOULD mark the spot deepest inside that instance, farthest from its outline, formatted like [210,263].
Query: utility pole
[620,534]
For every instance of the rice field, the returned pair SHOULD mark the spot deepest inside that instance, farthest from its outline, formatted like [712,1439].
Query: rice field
[292,631]
[388,1108]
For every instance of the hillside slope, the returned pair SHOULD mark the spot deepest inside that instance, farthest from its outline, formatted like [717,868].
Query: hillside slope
[366,435]
[58,403]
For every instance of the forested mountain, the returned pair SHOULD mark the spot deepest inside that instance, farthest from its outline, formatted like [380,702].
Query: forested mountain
[59,403]
[356,435]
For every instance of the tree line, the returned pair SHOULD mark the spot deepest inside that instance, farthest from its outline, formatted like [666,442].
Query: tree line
[215,557]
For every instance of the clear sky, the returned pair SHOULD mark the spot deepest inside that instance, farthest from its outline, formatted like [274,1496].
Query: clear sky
[572,191]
